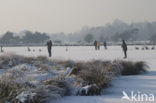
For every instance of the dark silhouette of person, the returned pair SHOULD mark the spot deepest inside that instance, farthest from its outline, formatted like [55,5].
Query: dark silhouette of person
[49,46]
[124,47]
[28,49]
[105,45]
[66,45]
[153,48]
[40,50]
[95,44]
[1,48]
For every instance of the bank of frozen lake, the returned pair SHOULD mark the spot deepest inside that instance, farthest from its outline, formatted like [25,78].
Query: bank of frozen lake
[144,83]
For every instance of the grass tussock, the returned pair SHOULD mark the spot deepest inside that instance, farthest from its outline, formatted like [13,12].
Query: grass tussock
[133,68]
[9,60]
[30,80]
[96,73]
[10,89]
[51,89]
[15,91]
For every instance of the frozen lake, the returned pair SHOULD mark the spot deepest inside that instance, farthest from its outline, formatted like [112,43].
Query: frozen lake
[145,83]
[87,53]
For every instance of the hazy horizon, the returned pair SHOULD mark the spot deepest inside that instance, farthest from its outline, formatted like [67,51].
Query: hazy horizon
[71,15]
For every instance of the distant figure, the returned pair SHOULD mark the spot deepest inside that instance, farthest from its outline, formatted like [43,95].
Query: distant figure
[49,45]
[143,48]
[28,49]
[33,50]
[105,45]
[40,50]
[66,48]
[1,48]
[124,47]
[153,48]
[98,45]
[95,44]
[146,48]
[137,48]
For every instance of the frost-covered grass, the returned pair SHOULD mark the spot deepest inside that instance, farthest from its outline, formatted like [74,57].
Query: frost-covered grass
[31,80]
[25,92]
[94,72]
[40,79]
[133,68]
[100,73]
[20,85]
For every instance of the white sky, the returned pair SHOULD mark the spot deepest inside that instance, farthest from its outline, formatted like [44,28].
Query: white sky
[71,15]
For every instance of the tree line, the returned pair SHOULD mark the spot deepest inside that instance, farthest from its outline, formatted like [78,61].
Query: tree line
[29,37]
[111,32]
[128,35]
[114,32]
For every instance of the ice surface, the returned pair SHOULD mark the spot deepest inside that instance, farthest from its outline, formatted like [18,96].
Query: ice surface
[145,83]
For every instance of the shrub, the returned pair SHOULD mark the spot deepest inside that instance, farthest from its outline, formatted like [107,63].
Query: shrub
[51,89]
[96,73]
[133,68]
[77,67]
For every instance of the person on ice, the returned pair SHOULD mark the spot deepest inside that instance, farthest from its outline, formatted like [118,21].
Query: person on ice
[1,48]
[105,45]
[95,44]
[124,47]
[49,46]
[98,45]
[28,49]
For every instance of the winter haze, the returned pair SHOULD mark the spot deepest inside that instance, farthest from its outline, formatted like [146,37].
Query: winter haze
[71,15]
[77,51]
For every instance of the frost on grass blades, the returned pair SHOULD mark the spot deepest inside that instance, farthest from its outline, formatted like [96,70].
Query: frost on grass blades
[138,97]
[40,79]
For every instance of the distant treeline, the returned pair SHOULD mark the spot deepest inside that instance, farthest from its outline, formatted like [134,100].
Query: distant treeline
[114,32]
[9,38]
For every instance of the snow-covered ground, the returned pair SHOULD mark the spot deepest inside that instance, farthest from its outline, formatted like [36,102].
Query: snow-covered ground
[145,83]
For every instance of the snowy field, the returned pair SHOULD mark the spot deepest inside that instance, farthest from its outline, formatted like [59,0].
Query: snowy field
[145,83]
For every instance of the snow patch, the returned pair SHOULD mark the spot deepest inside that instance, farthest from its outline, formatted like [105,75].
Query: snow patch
[25,95]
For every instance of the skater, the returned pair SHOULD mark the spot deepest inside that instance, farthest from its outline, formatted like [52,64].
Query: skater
[49,45]
[124,47]
[40,50]
[28,49]
[95,44]
[66,48]
[153,48]
[66,45]
[105,45]
[146,48]
[1,48]
[98,45]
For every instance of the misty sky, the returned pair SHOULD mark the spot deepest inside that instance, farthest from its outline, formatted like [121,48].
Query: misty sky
[71,15]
